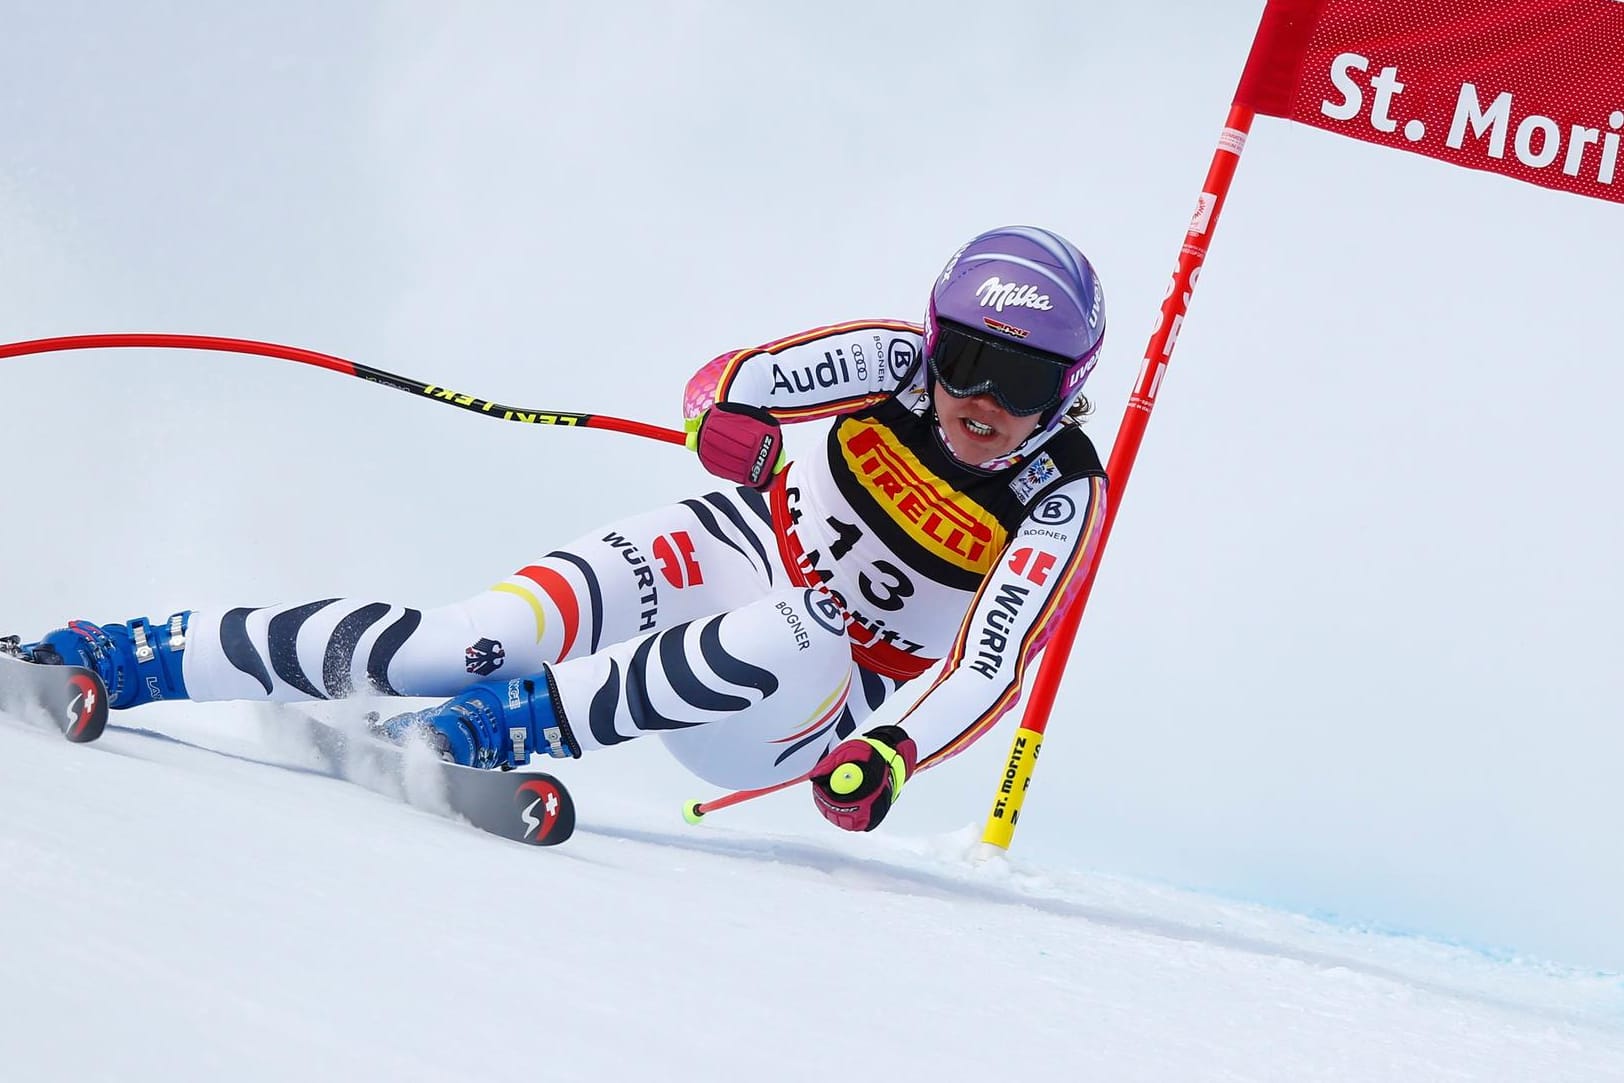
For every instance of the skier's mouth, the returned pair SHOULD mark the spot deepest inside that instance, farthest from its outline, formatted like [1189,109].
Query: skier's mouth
[980,430]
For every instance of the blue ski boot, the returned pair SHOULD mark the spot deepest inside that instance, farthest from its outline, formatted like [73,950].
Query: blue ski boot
[138,661]
[493,724]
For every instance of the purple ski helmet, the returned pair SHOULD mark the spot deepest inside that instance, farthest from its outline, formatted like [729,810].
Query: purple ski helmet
[1017,313]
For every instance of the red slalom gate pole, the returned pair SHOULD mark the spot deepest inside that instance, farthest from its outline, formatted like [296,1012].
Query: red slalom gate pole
[432,392]
[1023,753]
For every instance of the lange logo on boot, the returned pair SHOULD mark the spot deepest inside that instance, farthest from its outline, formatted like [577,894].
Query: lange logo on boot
[485,657]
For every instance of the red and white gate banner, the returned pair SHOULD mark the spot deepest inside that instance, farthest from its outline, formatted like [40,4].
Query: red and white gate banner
[1532,89]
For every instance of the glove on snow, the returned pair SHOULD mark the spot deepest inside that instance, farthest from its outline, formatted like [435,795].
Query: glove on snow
[740,443]
[856,784]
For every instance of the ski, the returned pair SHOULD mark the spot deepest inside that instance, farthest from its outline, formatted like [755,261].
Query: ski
[72,696]
[529,807]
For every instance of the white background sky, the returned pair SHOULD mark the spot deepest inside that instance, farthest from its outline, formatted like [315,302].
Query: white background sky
[1355,645]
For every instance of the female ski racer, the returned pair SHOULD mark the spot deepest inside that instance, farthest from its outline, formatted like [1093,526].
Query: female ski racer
[953,514]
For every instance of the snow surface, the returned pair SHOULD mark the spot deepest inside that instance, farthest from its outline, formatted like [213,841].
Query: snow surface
[1354,646]
[198,904]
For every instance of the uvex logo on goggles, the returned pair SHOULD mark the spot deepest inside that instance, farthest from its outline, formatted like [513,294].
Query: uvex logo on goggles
[1023,380]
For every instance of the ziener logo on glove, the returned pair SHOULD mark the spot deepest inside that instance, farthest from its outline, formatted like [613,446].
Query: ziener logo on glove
[761,458]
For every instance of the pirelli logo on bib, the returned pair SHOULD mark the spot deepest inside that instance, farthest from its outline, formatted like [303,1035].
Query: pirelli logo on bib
[947,524]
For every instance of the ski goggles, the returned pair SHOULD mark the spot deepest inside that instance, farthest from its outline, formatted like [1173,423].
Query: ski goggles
[1023,380]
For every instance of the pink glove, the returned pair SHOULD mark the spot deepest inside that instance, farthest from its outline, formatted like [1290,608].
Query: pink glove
[856,784]
[740,443]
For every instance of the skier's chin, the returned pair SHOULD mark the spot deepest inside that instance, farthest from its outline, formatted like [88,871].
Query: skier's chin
[974,440]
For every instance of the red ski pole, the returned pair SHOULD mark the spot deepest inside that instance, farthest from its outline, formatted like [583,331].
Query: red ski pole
[694,811]
[432,392]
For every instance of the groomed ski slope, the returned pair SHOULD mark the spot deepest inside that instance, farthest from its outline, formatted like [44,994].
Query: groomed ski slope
[173,909]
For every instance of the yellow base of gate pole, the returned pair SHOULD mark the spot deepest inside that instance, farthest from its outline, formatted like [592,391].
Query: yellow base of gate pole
[1006,805]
